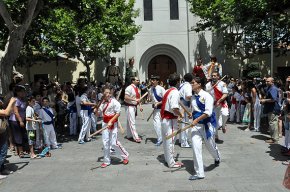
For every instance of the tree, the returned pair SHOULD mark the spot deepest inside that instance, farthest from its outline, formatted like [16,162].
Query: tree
[16,26]
[244,25]
[83,29]
[87,30]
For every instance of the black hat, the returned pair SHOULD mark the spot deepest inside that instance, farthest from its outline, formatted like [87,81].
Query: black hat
[155,77]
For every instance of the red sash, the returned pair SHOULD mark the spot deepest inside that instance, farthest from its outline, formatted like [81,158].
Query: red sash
[107,118]
[234,101]
[136,91]
[166,114]
[218,94]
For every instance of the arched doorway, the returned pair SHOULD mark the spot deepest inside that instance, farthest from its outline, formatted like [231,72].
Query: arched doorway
[161,65]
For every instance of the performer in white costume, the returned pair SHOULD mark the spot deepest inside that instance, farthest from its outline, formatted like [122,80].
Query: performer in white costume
[185,92]
[204,123]
[157,93]
[110,110]
[132,99]
[47,117]
[169,115]
[218,89]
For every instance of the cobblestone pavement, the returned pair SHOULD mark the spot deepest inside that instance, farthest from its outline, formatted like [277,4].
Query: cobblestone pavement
[248,164]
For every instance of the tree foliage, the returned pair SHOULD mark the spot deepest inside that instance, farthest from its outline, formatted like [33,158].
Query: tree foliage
[89,29]
[245,25]
[83,29]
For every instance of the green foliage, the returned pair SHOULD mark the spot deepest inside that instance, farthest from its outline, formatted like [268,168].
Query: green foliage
[243,24]
[91,28]
[254,70]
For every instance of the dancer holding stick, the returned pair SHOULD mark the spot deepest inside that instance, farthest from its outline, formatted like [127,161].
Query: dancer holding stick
[156,93]
[170,113]
[111,110]
[132,100]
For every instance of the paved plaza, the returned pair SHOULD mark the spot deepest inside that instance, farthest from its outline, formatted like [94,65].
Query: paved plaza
[248,164]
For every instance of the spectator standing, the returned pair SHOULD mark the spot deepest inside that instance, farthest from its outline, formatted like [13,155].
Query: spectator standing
[272,109]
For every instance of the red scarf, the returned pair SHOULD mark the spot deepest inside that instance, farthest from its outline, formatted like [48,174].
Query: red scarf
[107,118]
[136,91]
[218,94]
[166,114]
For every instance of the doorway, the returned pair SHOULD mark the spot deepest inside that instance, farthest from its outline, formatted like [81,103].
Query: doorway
[161,65]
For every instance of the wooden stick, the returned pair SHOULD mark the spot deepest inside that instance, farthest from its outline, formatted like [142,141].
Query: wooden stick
[143,96]
[96,108]
[150,115]
[99,131]
[121,127]
[187,123]
[142,115]
[185,109]
[218,81]
[178,131]
[119,94]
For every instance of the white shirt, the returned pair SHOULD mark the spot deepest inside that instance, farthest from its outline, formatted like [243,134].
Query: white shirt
[159,91]
[130,91]
[36,107]
[237,96]
[84,98]
[205,98]
[185,90]
[172,101]
[100,95]
[222,86]
[30,114]
[113,107]
[44,116]
[206,69]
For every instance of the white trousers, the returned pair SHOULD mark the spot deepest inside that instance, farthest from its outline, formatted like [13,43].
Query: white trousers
[131,122]
[222,114]
[94,122]
[39,136]
[110,139]
[184,134]
[197,135]
[235,112]
[73,123]
[168,126]
[157,124]
[86,125]
[287,132]
[257,115]
[49,136]
[242,111]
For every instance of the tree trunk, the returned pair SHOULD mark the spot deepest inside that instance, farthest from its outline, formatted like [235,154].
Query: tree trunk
[88,71]
[9,56]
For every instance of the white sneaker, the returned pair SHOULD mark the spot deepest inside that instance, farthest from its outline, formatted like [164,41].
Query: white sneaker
[185,145]
[2,177]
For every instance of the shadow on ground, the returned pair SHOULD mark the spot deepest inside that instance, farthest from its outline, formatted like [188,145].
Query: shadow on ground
[16,166]
[260,137]
[275,152]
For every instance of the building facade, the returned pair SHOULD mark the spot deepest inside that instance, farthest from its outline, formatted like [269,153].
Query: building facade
[164,45]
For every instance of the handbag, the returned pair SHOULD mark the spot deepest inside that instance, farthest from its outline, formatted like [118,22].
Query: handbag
[3,125]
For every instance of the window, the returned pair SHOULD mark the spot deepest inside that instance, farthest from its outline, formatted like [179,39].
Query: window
[174,12]
[148,13]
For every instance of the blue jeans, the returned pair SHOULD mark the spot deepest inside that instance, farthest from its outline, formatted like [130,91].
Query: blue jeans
[3,153]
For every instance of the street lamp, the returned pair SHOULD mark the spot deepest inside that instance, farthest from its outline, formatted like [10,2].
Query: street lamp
[272,46]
